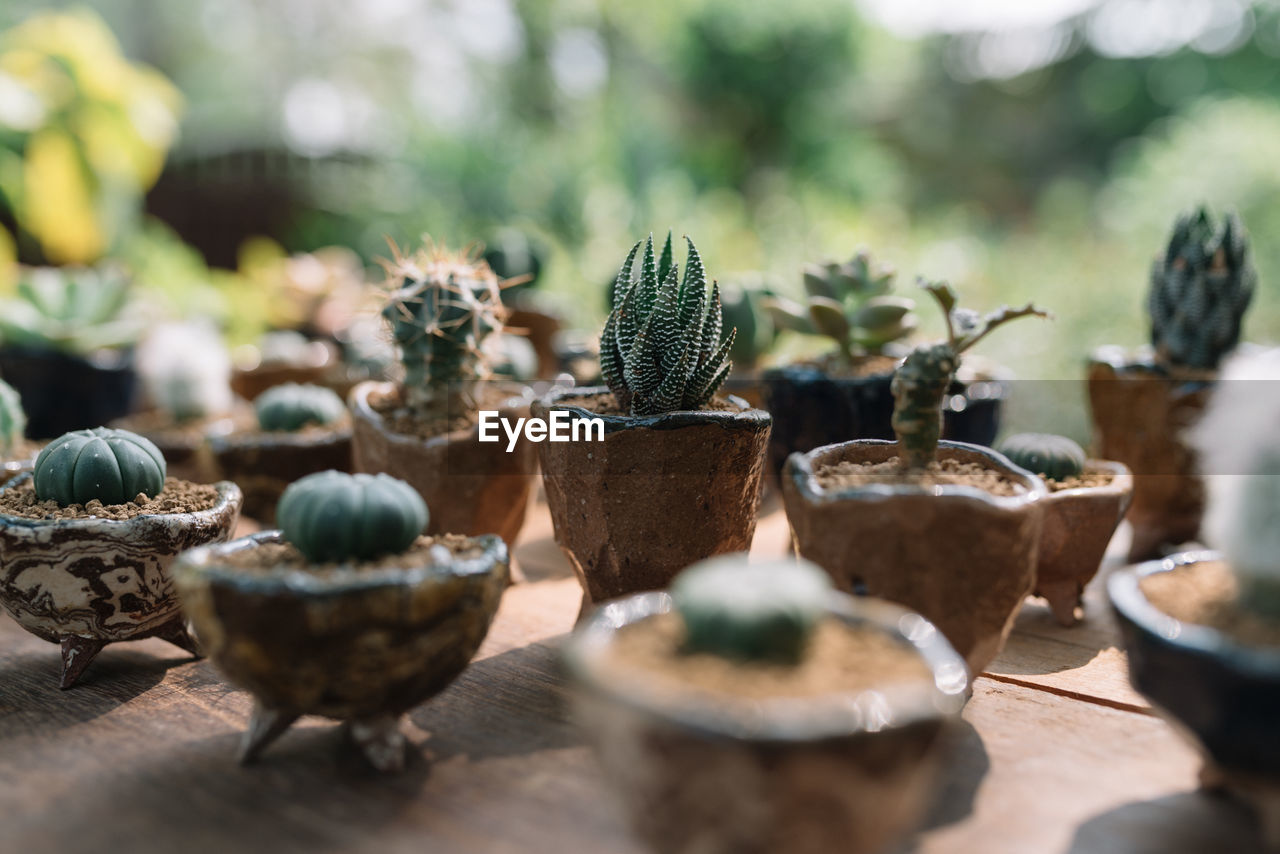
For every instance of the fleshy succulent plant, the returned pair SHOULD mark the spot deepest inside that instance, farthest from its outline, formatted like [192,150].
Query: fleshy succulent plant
[13,421]
[921,381]
[1054,457]
[290,407]
[743,309]
[661,349]
[112,466]
[1200,288]
[70,310]
[333,516]
[750,611]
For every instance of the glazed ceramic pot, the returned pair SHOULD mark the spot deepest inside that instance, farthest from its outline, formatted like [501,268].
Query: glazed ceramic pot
[659,493]
[960,556]
[472,487]
[264,464]
[85,583]
[61,392]
[360,646]
[1139,415]
[847,772]
[1078,525]
[1221,694]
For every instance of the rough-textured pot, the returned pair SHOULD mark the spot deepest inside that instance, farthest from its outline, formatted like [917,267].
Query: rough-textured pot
[963,558]
[1139,414]
[85,583]
[1078,525]
[361,646]
[1222,695]
[61,392]
[264,464]
[847,772]
[472,487]
[659,493]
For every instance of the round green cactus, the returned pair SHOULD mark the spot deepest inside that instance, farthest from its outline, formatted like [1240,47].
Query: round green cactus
[291,407]
[332,516]
[113,466]
[1052,457]
[13,421]
[750,611]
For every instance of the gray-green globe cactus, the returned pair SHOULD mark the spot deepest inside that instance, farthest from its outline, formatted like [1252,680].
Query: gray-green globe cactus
[291,406]
[333,516]
[750,611]
[13,421]
[1054,457]
[1200,288]
[112,466]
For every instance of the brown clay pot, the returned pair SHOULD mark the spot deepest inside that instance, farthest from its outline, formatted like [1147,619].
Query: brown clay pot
[264,464]
[1078,525]
[960,556]
[1139,414]
[659,493]
[472,487]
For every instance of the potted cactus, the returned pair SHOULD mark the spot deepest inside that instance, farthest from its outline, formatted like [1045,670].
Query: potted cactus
[298,430]
[347,612]
[442,309]
[732,714]
[845,394]
[1087,499]
[948,529]
[1143,402]
[87,539]
[16,453]
[677,476]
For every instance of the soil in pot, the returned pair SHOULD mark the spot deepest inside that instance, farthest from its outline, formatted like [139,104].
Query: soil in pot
[178,496]
[263,463]
[1206,593]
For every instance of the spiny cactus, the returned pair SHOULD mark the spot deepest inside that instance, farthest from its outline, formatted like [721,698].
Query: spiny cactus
[70,310]
[1054,457]
[333,516]
[1200,288]
[442,307]
[920,383]
[661,348]
[113,466]
[849,303]
[290,407]
[750,611]
[13,421]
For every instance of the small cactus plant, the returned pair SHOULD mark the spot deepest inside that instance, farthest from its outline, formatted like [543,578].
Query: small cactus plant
[1054,457]
[112,466]
[290,407]
[1200,288]
[661,349]
[332,516]
[920,383]
[849,303]
[442,308]
[750,611]
[13,421]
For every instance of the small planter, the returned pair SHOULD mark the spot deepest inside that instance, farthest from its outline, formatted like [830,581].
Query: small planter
[264,463]
[86,582]
[472,488]
[61,392]
[356,643]
[659,493]
[849,770]
[962,557]
[317,363]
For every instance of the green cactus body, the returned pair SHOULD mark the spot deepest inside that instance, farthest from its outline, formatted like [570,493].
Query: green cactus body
[112,466]
[13,421]
[332,516]
[1054,457]
[750,611]
[290,407]
[661,349]
[1200,288]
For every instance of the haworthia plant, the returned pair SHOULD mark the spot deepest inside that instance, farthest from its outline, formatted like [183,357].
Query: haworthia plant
[662,349]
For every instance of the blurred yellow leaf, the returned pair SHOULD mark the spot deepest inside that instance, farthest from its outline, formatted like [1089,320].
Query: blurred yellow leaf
[8,262]
[57,206]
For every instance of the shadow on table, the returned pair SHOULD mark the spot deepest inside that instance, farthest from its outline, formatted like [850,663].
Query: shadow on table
[1189,821]
[965,764]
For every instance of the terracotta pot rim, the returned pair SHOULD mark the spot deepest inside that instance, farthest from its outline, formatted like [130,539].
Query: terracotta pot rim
[1255,662]
[1121,482]
[361,409]
[229,497]
[745,418]
[785,720]
[799,468]
[202,562]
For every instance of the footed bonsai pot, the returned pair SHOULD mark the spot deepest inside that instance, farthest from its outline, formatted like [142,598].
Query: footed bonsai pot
[87,540]
[762,711]
[347,613]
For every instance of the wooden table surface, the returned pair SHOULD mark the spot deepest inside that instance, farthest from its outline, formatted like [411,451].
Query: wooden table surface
[1056,753]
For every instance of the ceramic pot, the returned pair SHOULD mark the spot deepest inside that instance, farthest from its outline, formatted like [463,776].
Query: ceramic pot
[472,487]
[1078,525]
[362,647]
[250,380]
[841,772]
[1222,695]
[61,392]
[960,556]
[659,493]
[85,583]
[264,464]
[1139,414]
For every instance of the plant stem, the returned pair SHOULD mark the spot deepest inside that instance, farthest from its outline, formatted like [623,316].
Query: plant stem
[918,388]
